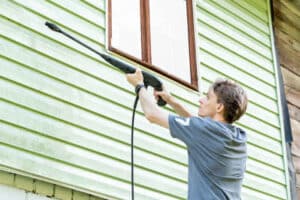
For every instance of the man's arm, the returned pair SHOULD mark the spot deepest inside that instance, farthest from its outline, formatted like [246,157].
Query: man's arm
[179,109]
[152,112]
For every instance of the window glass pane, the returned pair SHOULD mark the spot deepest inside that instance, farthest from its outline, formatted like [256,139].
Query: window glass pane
[169,37]
[126,28]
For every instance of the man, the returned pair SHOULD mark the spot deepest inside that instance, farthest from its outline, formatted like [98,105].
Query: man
[216,148]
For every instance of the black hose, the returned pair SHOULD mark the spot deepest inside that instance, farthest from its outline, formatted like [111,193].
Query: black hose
[132,146]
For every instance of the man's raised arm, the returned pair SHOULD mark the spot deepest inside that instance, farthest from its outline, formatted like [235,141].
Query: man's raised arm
[179,109]
[152,112]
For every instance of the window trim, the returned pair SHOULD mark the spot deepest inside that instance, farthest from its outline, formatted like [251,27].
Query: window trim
[146,44]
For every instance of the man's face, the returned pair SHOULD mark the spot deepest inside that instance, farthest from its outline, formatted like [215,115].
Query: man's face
[208,105]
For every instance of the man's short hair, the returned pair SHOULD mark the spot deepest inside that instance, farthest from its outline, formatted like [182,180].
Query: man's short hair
[232,96]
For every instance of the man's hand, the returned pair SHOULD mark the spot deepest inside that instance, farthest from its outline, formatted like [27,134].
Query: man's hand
[164,94]
[136,78]
[151,110]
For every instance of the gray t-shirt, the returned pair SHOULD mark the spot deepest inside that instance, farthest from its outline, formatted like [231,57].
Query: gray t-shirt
[217,156]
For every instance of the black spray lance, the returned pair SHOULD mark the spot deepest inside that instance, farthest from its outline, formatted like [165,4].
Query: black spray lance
[149,80]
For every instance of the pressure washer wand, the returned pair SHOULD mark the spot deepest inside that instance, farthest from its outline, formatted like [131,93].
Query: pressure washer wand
[149,79]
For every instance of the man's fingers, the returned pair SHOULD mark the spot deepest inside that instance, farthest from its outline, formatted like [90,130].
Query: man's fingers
[129,76]
[135,78]
[138,71]
[158,93]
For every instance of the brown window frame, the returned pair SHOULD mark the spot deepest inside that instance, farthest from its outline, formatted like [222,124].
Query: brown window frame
[146,44]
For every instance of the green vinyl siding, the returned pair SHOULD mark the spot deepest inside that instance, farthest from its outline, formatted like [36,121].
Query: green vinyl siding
[65,113]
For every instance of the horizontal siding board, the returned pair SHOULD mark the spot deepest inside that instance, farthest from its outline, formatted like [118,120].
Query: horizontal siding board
[234,21]
[36,23]
[260,126]
[100,4]
[62,152]
[45,8]
[112,135]
[230,57]
[248,79]
[243,14]
[100,142]
[263,141]
[83,10]
[142,163]
[265,157]
[69,95]
[265,171]
[230,31]
[90,105]
[87,160]
[214,34]
[262,5]
[266,186]
[252,193]
[262,14]
[70,175]
[263,114]
[71,75]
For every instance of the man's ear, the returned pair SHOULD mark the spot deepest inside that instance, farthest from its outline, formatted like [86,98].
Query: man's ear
[220,108]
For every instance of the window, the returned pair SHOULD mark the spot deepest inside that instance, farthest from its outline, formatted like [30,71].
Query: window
[158,34]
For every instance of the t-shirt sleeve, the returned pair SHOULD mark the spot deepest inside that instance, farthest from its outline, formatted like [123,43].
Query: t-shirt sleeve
[184,129]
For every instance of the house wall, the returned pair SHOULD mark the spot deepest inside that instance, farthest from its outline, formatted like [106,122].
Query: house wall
[65,113]
[287,29]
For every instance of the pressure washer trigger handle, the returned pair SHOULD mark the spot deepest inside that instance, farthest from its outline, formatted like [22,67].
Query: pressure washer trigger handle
[160,101]
[151,80]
